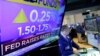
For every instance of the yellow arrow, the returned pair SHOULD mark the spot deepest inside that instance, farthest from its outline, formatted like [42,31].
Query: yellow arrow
[21,17]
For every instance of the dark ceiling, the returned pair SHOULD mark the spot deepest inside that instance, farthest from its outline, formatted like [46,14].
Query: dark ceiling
[79,4]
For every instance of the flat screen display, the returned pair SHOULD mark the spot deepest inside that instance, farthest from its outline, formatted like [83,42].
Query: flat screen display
[90,25]
[98,23]
[25,22]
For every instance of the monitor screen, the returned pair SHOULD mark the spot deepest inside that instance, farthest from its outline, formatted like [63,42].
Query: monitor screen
[98,23]
[26,22]
[90,25]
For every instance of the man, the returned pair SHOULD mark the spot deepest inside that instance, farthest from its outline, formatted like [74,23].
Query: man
[66,44]
[81,33]
[73,33]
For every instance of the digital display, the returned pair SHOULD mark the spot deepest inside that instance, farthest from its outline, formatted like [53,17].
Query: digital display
[98,23]
[90,25]
[25,22]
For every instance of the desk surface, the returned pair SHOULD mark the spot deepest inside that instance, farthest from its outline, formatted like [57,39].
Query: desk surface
[91,52]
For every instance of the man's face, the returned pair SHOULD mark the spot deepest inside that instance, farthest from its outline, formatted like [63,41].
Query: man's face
[66,31]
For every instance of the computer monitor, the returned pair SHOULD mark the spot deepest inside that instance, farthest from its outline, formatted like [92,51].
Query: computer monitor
[98,23]
[90,25]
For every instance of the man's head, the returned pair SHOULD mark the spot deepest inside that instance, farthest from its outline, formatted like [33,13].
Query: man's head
[65,30]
